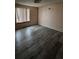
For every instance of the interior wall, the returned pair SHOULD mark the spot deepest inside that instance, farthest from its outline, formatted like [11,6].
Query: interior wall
[51,16]
[33,16]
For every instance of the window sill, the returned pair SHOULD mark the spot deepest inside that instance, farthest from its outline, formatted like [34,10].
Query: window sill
[23,22]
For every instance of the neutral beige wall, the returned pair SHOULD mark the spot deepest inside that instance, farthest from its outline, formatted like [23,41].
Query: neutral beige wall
[51,16]
[33,16]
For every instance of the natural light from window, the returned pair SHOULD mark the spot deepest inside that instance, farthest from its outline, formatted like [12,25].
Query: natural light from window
[22,15]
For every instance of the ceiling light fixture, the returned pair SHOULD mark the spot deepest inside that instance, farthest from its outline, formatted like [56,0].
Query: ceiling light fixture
[37,1]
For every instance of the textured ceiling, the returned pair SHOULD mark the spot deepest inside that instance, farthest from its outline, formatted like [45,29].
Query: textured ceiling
[43,2]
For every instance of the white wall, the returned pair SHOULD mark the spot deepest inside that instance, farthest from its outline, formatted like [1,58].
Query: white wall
[51,16]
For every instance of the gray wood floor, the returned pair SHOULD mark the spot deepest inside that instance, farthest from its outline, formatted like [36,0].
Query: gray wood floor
[38,42]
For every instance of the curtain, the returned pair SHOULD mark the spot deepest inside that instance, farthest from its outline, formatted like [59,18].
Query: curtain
[21,15]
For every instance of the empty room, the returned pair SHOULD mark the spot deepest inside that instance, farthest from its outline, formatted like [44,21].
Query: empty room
[39,29]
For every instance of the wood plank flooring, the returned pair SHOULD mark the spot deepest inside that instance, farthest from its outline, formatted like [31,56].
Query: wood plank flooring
[38,42]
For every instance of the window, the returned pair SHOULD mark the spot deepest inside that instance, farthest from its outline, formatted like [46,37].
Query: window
[22,15]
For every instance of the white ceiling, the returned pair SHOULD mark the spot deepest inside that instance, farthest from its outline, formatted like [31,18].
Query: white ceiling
[43,2]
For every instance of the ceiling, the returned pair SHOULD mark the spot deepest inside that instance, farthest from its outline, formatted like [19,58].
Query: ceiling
[42,3]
